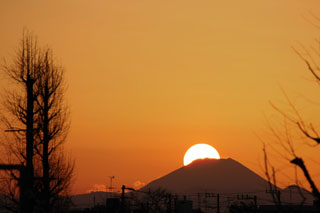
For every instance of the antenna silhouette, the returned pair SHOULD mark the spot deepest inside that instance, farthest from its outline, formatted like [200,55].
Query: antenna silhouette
[111,188]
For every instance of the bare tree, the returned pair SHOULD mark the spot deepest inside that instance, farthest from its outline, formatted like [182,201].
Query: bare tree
[153,200]
[53,129]
[284,143]
[37,116]
[270,174]
[24,72]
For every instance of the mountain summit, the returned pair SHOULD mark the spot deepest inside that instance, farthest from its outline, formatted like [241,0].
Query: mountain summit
[218,175]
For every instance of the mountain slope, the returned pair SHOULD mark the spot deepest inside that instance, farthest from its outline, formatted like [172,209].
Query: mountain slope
[223,176]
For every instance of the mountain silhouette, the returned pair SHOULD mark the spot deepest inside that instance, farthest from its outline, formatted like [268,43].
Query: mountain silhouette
[294,194]
[227,177]
[218,175]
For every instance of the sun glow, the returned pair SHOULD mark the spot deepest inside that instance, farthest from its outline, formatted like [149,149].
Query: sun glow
[200,151]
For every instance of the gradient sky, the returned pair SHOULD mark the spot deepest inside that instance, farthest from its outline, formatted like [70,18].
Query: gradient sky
[148,79]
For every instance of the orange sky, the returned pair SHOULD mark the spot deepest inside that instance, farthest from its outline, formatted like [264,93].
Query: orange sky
[148,79]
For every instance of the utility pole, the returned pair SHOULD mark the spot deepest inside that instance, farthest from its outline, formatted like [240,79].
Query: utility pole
[218,203]
[218,199]
[169,207]
[255,202]
[123,188]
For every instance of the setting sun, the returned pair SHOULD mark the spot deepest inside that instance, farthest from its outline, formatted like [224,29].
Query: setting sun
[200,151]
